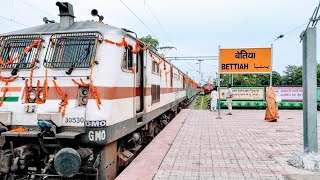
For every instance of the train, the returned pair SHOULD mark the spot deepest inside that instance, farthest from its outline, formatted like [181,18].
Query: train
[208,88]
[81,99]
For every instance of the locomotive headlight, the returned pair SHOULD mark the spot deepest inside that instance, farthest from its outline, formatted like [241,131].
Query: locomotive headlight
[32,95]
[84,100]
[84,91]
[83,96]
[41,94]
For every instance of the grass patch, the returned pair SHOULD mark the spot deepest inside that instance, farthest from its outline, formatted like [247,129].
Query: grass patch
[205,103]
[198,102]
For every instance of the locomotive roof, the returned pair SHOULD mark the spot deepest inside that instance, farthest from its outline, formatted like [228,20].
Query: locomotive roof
[82,26]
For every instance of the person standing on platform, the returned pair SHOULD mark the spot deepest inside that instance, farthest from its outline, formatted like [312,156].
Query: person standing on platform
[229,97]
[272,113]
[214,99]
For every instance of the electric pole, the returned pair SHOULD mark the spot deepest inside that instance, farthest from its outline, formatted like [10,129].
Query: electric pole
[200,70]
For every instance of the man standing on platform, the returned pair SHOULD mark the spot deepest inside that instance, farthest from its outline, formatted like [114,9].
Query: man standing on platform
[229,97]
[214,99]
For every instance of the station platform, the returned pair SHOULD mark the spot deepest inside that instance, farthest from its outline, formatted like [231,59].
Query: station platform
[196,145]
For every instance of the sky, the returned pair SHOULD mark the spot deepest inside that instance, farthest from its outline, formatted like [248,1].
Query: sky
[194,27]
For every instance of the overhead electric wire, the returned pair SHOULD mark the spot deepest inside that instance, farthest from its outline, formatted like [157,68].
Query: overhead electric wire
[13,20]
[314,19]
[155,17]
[146,25]
[39,9]
[141,21]
[190,66]
[283,35]
[186,67]
[163,29]
[30,5]
[295,28]
[5,24]
[150,29]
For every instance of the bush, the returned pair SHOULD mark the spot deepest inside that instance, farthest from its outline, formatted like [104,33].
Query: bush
[247,104]
[222,103]
[291,104]
[280,104]
[239,104]
[257,104]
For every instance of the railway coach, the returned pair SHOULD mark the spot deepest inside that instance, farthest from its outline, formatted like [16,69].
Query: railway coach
[80,99]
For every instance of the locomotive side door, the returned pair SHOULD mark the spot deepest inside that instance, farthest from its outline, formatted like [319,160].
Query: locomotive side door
[139,91]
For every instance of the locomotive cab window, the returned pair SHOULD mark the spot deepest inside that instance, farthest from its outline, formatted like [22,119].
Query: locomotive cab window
[19,52]
[127,61]
[75,50]
[155,93]
[155,68]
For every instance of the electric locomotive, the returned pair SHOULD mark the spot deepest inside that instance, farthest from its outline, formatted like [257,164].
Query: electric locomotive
[81,99]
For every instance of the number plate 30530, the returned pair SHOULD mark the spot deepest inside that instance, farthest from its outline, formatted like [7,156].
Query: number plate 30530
[74,121]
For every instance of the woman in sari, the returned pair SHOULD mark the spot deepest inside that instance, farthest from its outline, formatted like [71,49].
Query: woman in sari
[272,113]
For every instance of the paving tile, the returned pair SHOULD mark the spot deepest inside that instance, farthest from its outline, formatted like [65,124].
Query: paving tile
[241,146]
[138,170]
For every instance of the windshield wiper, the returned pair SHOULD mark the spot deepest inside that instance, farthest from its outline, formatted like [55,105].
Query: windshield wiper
[69,71]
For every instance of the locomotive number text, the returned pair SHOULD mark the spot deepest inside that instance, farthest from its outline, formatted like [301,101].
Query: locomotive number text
[97,135]
[74,120]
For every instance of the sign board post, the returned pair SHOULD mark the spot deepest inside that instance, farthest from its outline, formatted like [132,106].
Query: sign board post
[218,78]
[271,64]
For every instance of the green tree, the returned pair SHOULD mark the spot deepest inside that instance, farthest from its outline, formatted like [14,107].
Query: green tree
[252,79]
[241,80]
[149,40]
[292,75]
[265,79]
[246,80]
[276,78]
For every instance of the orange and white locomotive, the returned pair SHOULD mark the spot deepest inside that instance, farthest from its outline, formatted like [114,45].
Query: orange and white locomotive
[81,98]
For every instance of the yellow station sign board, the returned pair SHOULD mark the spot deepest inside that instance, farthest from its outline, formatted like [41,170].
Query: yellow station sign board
[247,60]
